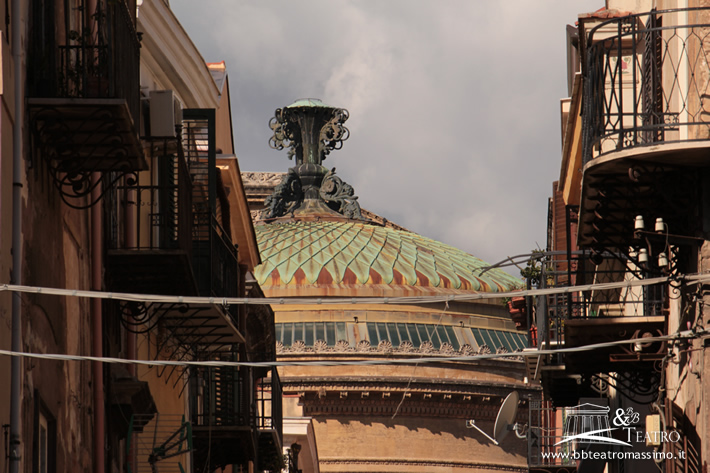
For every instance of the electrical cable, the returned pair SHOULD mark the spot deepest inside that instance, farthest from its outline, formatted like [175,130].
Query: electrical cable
[683,335]
[691,279]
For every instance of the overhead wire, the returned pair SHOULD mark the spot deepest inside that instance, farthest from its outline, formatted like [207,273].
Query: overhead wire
[691,279]
[687,335]
[687,279]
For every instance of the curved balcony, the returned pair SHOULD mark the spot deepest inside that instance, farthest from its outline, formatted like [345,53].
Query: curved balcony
[646,123]
[647,80]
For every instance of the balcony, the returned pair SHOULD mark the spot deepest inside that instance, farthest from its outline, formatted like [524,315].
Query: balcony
[645,121]
[165,236]
[269,423]
[84,95]
[584,317]
[223,424]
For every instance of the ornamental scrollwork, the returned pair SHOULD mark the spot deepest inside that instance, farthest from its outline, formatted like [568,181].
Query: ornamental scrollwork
[334,132]
[447,349]
[467,350]
[340,195]
[343,346]
[285,132]
[287,195]
[406,346]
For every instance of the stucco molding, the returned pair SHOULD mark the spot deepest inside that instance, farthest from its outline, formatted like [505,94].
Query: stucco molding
[262,179]
[388,409]
[466,388]
[386,347]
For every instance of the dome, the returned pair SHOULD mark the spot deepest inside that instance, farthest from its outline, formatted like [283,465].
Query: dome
[315,241]
[353,258]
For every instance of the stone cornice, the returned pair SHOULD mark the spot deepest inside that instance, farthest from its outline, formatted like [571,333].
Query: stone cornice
[388,407]
[386,396]
[171,56]
[440,385]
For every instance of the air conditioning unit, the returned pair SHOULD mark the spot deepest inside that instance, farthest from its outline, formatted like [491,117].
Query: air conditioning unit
[165,113]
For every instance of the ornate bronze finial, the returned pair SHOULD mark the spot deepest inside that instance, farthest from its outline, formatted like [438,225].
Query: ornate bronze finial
[311,130]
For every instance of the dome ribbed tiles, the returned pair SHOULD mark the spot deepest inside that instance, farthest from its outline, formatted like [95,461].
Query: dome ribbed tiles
[339,258]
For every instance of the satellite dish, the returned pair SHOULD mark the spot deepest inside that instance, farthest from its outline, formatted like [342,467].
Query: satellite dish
[504,420]
[506,416]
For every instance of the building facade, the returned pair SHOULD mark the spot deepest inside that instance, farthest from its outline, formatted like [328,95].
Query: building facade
[627,239]
[367,413]
[119,175]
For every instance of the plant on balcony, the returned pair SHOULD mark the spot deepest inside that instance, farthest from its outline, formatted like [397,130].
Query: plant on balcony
[533,270]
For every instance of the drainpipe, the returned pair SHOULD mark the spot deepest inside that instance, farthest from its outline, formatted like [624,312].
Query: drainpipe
[131,242]
[17,168]
[96,285]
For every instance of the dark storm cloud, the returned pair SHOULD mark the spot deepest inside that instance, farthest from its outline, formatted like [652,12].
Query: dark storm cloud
[455,128]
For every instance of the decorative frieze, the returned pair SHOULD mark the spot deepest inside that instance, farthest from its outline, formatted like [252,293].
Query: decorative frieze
[386,347]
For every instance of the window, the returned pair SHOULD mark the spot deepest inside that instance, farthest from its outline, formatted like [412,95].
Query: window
[44,443]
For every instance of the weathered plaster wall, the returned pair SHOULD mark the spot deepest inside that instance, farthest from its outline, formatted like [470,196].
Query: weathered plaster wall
[56,254]
[412,444]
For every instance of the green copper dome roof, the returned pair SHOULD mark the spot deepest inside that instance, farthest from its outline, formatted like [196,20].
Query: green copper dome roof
[342,258]
[315,241]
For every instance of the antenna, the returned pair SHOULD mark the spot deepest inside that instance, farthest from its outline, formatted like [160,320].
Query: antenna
[504,420]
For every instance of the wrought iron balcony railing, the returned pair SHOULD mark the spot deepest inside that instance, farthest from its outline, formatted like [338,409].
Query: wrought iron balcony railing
[269,423]
[595,315]
[165,235]
[90,51]
[156,209]
[646,81]
[269,401]
[171,211]
[215,260]
[83,88]
[219,397]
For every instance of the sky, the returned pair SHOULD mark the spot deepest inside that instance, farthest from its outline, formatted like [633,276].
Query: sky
[454,104]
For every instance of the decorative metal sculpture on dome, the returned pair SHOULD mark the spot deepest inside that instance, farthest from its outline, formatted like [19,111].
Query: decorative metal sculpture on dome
[311,130]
